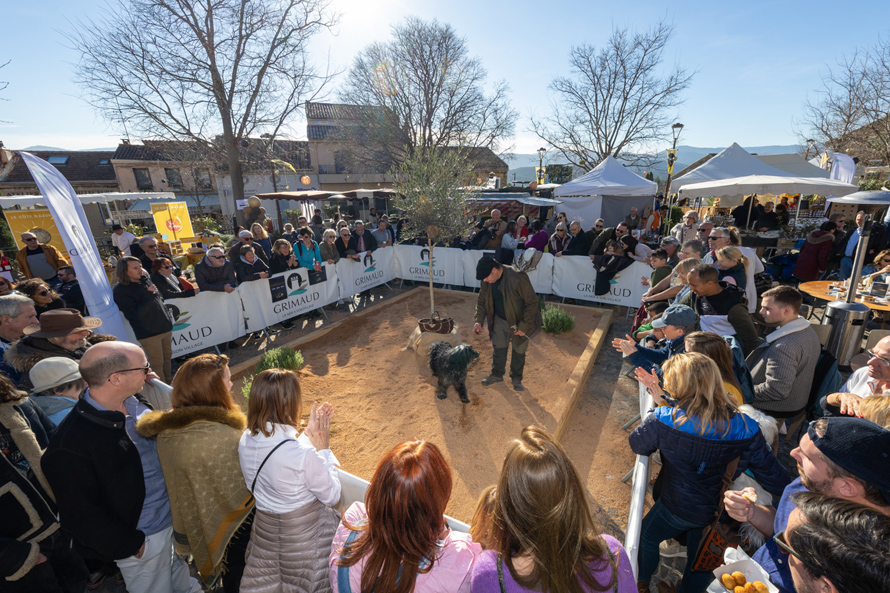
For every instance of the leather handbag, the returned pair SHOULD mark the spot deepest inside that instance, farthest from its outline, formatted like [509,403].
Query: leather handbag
[718,536]
[437,324]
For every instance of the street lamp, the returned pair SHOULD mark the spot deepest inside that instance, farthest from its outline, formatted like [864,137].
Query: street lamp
[541,152]
[671,159]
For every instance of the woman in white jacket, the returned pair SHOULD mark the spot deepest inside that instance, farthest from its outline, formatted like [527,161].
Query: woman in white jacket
[294,480]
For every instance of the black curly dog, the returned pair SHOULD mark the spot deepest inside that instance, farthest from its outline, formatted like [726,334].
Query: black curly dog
[450,366]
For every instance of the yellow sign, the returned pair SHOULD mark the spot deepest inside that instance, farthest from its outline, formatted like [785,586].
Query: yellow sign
[39,222]
[172,220]
[671,159]
[541,174]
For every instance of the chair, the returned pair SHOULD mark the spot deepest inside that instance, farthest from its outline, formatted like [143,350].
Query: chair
[806,311]
[874,336]
[823,331]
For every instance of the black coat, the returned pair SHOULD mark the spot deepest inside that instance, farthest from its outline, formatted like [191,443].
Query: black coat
[212,278]
[170,290]
[248,272]
[341,246]
[29,514]
[73,296]
[96,474]
[577,245]
[370,242]
[144,310]
[278,263]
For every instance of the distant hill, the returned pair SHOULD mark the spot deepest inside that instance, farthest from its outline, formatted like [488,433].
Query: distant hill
[39,148]
[524,164]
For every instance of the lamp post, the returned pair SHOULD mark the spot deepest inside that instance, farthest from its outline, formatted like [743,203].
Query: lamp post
[541,152]
[671,158]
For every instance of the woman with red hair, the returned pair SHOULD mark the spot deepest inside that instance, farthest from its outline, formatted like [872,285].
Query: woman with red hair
[398,541]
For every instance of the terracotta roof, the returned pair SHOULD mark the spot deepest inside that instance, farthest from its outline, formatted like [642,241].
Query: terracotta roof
[79,166]
[338,111]
[295,152]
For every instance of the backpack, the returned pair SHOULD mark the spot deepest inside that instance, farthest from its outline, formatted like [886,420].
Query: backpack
[740,369]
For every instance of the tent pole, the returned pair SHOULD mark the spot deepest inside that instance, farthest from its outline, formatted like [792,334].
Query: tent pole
[750,209]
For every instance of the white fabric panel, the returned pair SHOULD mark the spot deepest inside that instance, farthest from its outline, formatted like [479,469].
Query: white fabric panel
[374,269]
[413,263]
[610,178]
[205,320]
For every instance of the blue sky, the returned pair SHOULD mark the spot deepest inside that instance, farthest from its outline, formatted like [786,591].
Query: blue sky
[757,61]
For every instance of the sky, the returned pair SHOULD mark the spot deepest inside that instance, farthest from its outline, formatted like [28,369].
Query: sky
[757,62]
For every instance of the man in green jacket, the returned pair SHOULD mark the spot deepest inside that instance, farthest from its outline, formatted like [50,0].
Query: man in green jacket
[508,305]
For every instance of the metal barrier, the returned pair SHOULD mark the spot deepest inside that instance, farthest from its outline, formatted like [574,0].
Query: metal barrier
[638,492]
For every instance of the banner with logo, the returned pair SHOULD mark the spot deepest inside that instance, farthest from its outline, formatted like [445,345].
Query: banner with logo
[204,321]
[468,261]
[285,295]
[39,222]
[373,269]
[574,277]
[413,263]
[172,220]
[74,230]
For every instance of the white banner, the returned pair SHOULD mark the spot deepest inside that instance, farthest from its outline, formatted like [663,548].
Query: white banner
[373,269]
[72,225]
[413,263]
[204,321]
[574,277]
[469,261]
[542,276]
[285,295]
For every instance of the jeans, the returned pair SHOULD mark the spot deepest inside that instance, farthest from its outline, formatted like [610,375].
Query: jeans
[660,524]
[159,570]
[846,269]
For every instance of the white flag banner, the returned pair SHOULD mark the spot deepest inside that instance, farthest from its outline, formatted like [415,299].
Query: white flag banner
[204,321]
[413,263]
[373,269]
[574,277]
[285,295]
[542,276]
[74,229]
[469,260]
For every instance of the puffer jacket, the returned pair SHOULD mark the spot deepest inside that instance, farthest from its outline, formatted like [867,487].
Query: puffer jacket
[651,359]
[28,351]
[693,465]
[212,278]
[813,258]
[144,309]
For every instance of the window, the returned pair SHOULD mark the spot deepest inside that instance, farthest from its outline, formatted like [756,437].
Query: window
[174,178]
[143,179]
[104,162]
[202,178]
[58,160]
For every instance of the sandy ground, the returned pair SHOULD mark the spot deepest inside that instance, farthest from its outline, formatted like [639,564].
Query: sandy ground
[383,395]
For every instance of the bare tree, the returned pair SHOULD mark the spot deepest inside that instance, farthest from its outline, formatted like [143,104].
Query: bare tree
[425,91]
[617,102]
[851,111]
[3,86]
[184,70]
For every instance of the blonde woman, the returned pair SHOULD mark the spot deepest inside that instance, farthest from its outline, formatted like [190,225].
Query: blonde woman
[679,288]
[328,247]
[733,266]
[261,237]
[699,435]
[878,271]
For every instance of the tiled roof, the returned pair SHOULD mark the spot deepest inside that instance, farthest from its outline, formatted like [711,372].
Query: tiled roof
[295,152]
[338,111]
[80,166]
[320,132]
[485,158]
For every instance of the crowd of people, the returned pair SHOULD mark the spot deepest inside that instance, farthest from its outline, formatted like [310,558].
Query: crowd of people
[99,485]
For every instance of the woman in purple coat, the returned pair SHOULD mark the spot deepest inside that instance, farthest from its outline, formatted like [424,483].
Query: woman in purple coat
[813,258]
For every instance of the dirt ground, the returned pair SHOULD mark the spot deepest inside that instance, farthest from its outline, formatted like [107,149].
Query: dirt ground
[384,395]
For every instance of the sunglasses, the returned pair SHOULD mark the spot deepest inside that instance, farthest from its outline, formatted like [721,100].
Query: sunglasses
[713,238]
[145,370]
[783,544]
[560,230]
[166,267]
[216,257]
[43,292]
[597,226]
[248,239]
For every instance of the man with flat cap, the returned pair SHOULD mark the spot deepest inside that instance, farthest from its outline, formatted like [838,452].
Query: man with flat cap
[508,306]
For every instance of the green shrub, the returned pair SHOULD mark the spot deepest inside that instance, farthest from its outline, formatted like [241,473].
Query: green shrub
[276,358]
[557,321]
[542,303]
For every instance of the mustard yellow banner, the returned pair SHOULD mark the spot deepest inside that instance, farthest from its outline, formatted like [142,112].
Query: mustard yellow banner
[39,222]
[172,220]
[671,159]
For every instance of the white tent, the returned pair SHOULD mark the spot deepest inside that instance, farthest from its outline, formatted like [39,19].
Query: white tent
[40,201]
[732,191]
[609,191]
[733,161]
[793,164]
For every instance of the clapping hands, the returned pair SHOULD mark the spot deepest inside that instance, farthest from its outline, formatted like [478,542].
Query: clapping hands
[319,428]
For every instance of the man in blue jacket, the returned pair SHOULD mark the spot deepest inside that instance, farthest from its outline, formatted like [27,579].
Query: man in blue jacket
[675,322]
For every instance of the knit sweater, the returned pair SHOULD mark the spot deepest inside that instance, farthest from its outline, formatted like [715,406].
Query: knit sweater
[783,367]
[209,501]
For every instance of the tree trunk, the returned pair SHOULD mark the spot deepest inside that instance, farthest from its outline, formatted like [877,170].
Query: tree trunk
[234,159]
[432,295]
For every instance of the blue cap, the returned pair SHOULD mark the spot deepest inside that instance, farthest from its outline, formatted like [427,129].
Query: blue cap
[678,315]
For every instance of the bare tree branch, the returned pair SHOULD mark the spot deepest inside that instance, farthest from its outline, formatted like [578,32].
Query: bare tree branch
[431,93]
[617,102]
[184,70]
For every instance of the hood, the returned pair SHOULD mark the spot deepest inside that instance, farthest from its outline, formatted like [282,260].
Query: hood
[154,423]
[819,237]
[28,351]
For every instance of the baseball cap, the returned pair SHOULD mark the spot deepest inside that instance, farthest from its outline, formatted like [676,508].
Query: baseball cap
[485,266]
[678,315]
[860,447]
[670,241]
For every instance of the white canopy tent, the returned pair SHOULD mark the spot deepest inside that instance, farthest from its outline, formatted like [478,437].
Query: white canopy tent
[793,164]
[40,201]
[734,161]
[609,191]
[733,190]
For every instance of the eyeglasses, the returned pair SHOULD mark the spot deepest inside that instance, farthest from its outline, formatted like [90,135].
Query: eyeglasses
[247,239]
[715,237]
[216,257]
[31,239]
[145,370]
[704,231]
[560,230]
[882,361]
[619,232]
[597,226]
[783,544]
[43,292]
[166,267]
